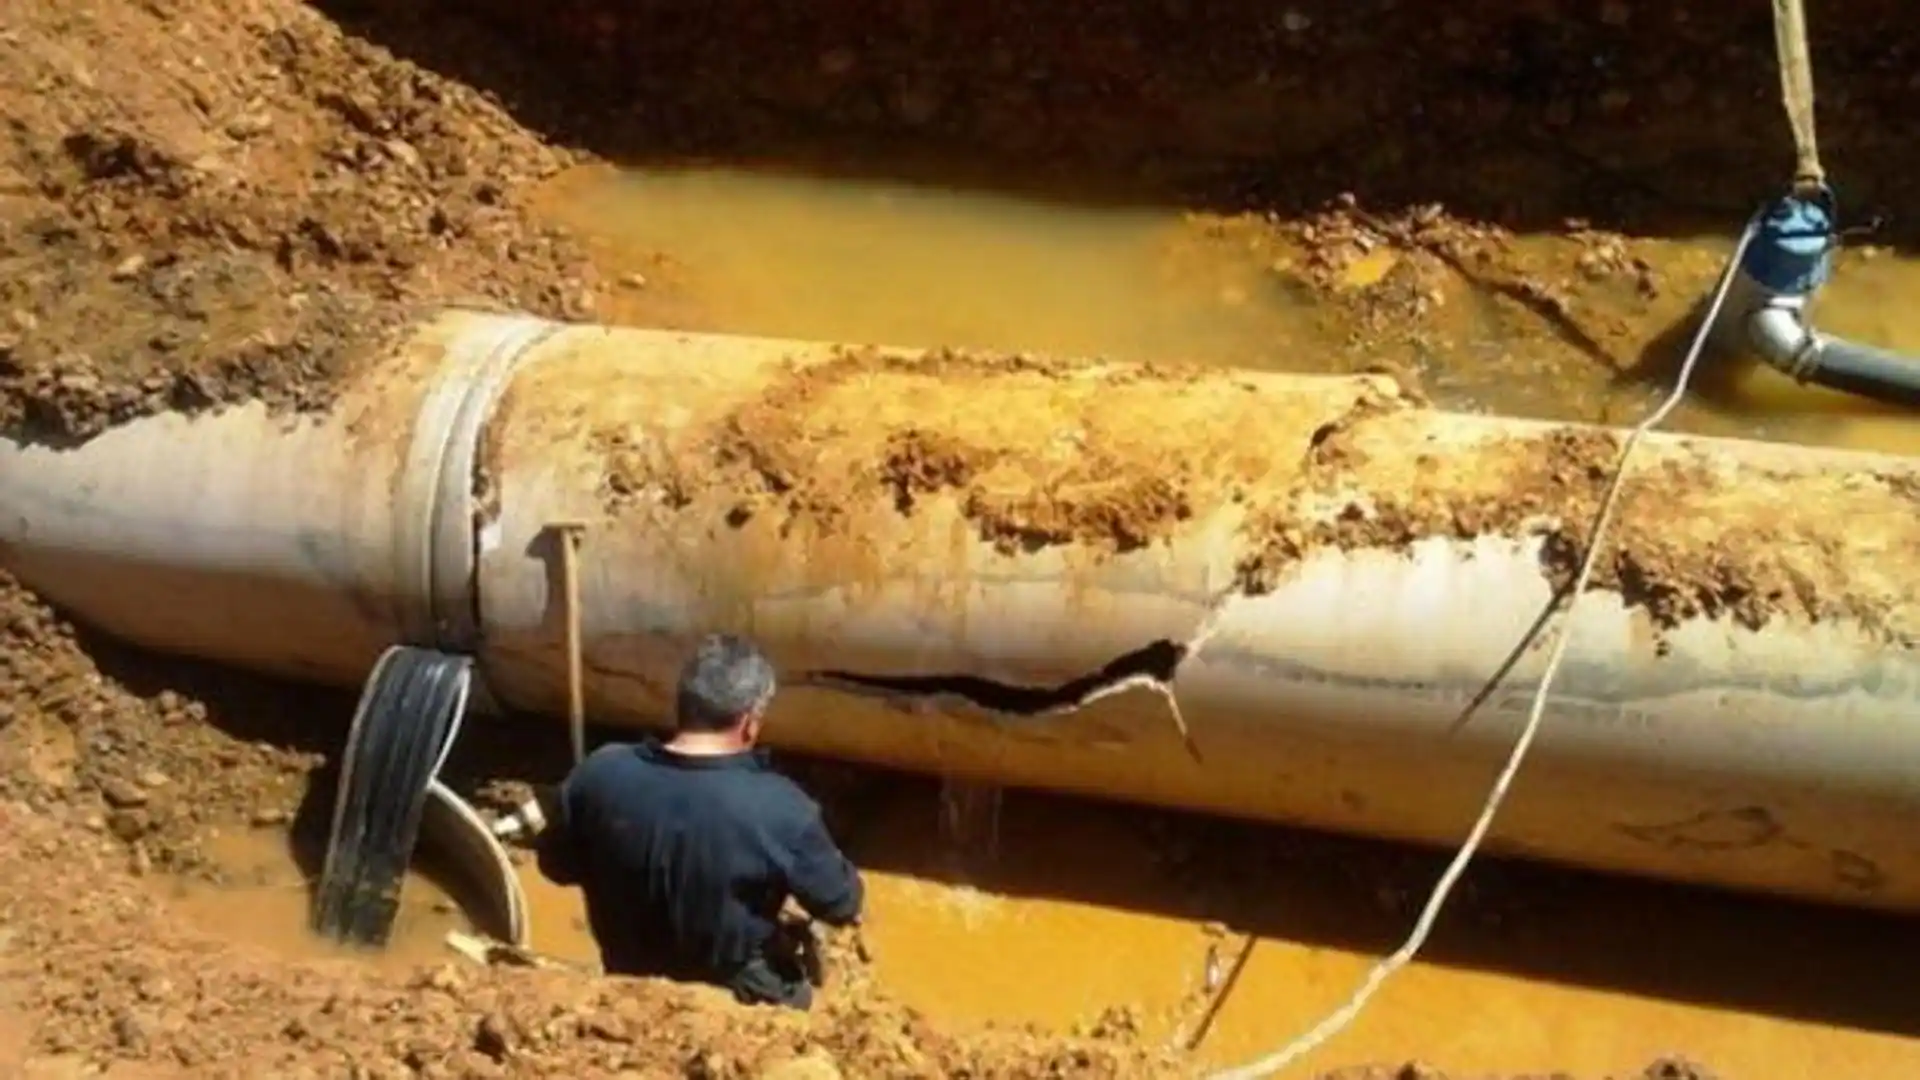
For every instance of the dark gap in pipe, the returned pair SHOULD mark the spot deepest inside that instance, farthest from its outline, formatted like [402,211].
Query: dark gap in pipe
[1157,661]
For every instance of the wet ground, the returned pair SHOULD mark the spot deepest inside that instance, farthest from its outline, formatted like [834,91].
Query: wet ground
[1072,917]
[204,201]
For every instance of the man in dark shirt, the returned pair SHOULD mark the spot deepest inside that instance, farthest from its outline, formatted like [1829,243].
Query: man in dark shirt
[687,850]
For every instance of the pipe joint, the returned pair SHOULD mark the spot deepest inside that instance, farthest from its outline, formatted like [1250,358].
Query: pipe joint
[1777,330]
[1767,314]
[435,537]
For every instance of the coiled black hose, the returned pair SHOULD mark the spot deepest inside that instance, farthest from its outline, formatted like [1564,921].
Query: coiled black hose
[406,719]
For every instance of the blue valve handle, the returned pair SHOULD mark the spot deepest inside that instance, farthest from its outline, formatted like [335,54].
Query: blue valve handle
[1792,253]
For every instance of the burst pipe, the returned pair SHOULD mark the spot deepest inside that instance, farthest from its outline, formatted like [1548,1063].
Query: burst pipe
[945,618]
[1767,311]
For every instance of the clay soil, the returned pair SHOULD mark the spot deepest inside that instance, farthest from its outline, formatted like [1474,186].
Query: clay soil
[204,202]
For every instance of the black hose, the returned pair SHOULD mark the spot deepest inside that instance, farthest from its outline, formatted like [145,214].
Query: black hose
[1869,372]
[405,718]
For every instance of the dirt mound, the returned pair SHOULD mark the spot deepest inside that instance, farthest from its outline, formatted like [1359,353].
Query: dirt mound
[140,756]
[209,201]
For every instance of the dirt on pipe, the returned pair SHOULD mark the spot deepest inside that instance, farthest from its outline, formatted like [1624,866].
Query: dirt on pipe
[205,202]
[1109,459]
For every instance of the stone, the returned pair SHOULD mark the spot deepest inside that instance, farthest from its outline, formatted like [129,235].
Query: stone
[814,1065]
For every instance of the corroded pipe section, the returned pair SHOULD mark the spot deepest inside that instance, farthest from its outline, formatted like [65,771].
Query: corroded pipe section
[1301,599]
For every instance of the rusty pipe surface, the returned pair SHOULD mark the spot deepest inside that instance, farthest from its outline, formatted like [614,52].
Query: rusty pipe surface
[1021,571]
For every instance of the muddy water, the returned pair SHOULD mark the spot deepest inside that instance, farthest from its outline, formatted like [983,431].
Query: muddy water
[262,899]
[892,263]
[896,264]
[1530,972]
[1088,917]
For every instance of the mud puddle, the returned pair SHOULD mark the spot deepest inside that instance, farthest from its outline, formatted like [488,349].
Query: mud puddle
[891,263]
[1534,972]
[1573,326]
[262,893]
[1113,921]
[259,893]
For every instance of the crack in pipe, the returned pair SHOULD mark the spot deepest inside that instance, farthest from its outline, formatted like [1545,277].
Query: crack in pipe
[1151,667]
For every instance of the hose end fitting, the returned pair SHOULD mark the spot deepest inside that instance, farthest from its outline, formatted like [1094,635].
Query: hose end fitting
[1792,252]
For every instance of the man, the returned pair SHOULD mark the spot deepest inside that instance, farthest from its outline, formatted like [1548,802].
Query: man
[687,850]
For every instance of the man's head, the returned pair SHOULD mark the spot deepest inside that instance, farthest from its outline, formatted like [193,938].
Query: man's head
[724,689]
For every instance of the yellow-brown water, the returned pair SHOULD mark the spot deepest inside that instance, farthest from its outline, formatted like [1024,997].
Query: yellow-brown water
[1088,912]
[1083,911]
[262,899]
[897,264]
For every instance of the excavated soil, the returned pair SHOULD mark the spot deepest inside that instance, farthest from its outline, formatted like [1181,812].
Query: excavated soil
[811,452]
[1714,548]
[205,202]
[210,203]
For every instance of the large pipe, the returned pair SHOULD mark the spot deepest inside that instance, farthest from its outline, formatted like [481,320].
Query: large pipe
[1005,570]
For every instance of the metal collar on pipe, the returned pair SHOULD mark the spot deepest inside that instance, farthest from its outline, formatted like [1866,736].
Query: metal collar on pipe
[1779,333]
[434,540]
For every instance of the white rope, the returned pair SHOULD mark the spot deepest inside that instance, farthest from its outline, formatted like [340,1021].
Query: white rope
[1338,1020]
[1796,87]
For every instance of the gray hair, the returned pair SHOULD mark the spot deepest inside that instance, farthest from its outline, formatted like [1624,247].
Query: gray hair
[726,678]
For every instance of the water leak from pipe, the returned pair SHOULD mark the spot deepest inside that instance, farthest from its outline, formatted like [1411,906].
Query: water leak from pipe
[970,820]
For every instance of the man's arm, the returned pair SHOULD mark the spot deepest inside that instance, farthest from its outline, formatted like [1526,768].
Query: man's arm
[557,848]
[823,881]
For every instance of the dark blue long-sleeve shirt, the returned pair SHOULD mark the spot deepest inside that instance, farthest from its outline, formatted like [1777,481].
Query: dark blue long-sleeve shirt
[686,860]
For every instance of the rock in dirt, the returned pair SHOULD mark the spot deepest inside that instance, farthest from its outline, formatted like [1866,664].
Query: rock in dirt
[122,794]
[817,1065]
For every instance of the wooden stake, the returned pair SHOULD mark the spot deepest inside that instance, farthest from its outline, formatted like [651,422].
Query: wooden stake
[568,534]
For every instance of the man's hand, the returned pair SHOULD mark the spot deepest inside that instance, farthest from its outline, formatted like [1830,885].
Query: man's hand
[822,946]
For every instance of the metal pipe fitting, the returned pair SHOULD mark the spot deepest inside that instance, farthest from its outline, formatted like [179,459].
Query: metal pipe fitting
[1767,313]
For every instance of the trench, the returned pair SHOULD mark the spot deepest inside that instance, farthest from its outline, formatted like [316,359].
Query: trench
[1085,916]
[1028,909]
